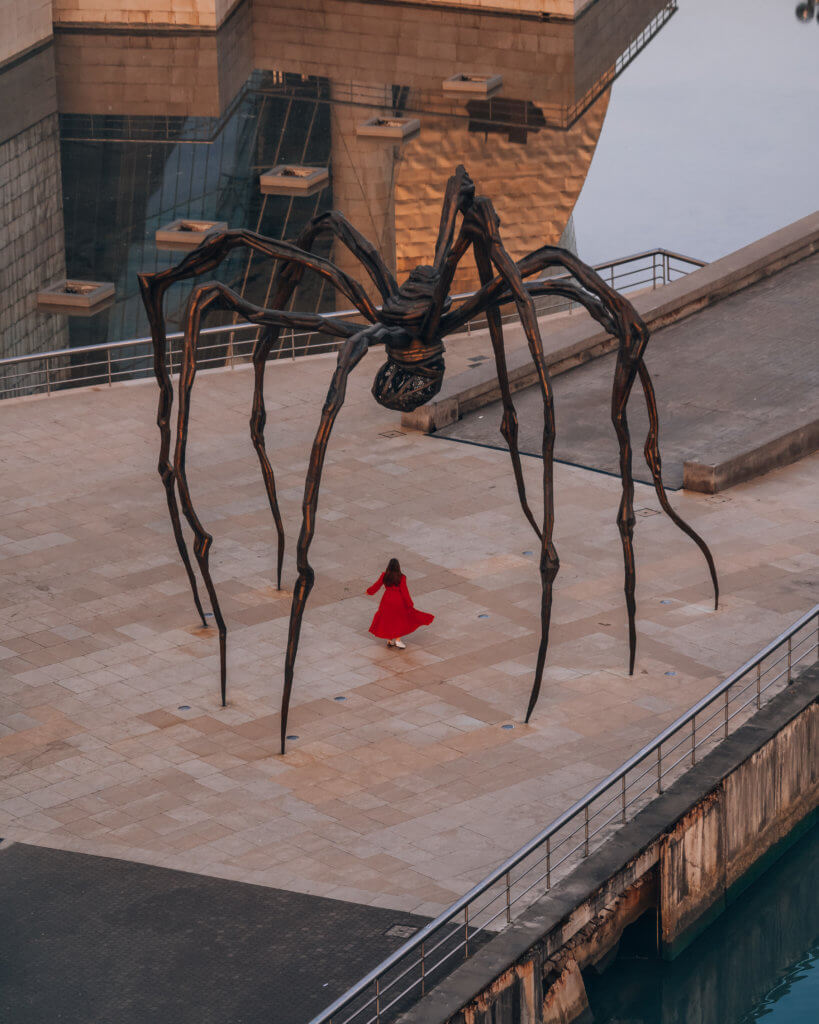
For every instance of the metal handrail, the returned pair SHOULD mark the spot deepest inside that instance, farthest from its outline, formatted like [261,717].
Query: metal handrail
[664,265]
[618,778]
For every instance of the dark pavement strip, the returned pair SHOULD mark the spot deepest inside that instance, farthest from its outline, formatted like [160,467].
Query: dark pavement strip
[93,940]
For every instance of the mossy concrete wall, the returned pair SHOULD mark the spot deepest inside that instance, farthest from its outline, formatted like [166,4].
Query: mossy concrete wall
[712,851]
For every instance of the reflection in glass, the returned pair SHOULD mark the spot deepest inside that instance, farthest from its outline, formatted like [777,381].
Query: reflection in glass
[159,127]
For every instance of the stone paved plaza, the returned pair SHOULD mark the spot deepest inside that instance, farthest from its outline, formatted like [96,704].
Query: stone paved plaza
[407,791]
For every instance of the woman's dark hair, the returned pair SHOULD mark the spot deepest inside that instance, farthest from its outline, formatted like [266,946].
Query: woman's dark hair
[392,577]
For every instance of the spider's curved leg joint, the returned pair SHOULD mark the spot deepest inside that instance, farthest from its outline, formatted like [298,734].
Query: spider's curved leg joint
[152,295]
[202,297]
[348,358]
[652,455]
[364,251]
[623,321]
[258,418]
[624,375]
[509,421]
[483,223]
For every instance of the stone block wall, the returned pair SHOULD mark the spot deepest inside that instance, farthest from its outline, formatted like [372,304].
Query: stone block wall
[348,40]
[180,13]
[23,24]
[157,73]
[141,75]
[31,238]
[556,8]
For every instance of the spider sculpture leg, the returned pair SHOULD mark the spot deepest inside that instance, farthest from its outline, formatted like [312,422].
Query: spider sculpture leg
[624,376]
[286,282]
[203,297]
[349,357]
[652,454]
[199,301]
[483,224]
[619,318]
[204,258]
[509,421]
[624,314]
[163,421]
[258,418]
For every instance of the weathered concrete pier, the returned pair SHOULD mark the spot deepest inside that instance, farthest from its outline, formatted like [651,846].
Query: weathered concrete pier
[682,859]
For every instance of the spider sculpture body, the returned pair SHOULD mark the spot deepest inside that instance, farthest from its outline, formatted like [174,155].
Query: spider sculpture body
[412,323]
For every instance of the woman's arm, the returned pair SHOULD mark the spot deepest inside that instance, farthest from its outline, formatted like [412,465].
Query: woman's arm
[376,585]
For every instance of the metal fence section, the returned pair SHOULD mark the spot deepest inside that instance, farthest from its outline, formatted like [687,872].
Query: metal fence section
[227,346]
[493,903]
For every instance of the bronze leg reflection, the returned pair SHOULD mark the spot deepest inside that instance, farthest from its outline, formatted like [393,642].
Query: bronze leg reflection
[349,357]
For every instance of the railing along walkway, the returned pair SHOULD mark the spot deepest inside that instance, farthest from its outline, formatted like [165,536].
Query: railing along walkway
[490,905]
[225,346]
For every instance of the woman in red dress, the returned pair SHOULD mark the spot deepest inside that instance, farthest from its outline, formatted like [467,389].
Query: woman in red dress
[397,615]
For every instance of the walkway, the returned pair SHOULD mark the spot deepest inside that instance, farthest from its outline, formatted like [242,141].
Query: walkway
[408,790]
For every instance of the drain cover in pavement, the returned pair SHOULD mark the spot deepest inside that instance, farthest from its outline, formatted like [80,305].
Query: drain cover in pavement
[401,931]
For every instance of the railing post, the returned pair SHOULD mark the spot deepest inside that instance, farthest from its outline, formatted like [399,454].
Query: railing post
[423,971]
[466,931]
[759,685]
[790,642]
[48,376]
[726,714]
[108,355]
[378,999]
[659,769]
[694,740]
[548,862]
[508,901]
[586,829]
[623,779]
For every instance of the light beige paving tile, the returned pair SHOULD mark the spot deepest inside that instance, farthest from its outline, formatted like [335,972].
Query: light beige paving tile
[409,791]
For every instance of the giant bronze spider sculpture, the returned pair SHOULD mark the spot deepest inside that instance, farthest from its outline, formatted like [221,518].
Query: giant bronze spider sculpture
[411,323]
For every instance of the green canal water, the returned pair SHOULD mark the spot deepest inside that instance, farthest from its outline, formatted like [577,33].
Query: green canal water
[758,961]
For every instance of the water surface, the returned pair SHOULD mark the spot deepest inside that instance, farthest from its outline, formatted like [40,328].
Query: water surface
[760,959]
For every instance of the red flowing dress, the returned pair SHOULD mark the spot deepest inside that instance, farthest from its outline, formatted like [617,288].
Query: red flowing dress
[397,616]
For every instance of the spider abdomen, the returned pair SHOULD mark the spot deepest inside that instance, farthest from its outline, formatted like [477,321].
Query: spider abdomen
[410,377]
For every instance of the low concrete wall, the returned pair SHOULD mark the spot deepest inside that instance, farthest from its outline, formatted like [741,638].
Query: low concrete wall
[585,339]
[688,854]
[781,451]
